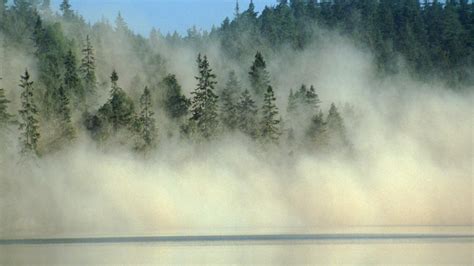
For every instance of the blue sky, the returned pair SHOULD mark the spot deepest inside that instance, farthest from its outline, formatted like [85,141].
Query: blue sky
[166,15]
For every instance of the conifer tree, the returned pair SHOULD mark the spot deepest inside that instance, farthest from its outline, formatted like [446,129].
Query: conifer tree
[312,99]
[5,117]
[204,103]
[317,130]
[259,76]
[29,122]
[270,124]
[175,103]
[65,7]
[120,24]
[229,102]
[335,126]
[119,110]
[247,115]
[146,123]
[87,68]
[72,83]
[292,103]
[67,131]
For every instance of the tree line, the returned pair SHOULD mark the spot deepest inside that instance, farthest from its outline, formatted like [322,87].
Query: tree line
[202,117]
[434,37]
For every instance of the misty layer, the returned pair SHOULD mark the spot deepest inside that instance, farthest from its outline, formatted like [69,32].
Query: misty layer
[411,165]
[401,153]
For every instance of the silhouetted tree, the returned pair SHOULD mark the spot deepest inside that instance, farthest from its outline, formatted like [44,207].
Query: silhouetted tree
[204,103]
[270,124]
[28,113]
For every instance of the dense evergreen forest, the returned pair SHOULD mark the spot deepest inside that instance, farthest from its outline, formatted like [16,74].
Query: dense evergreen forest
[70,64]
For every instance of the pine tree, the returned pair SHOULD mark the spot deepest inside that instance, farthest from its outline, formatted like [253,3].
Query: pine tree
[68,132]
[119,110]
[121,25]
[146,123]
[229,102]
[270,124]
[312,99]
[204,103]
[72,83]
[5,117]
[65,7]
[28,113]
[335,126]
[247,115]
[175,103]
[292,103]
[259,76]
[87,68]
[317,130]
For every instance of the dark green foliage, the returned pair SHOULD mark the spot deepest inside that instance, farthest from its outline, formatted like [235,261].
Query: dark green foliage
[303,102]
[5,117]
[247,115]
[145,124]
[50,52]
[175,103]
[119,110]
[87,68]
[259,76]
[65,8]
[228,100]
[204,106]
[72,83]
[64,121]
[270,124]
[434,37]
[29,117]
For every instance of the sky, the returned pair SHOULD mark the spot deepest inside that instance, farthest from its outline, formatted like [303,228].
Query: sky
[165,15]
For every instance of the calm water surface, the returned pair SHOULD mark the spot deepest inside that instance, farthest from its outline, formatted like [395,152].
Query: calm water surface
[354,251]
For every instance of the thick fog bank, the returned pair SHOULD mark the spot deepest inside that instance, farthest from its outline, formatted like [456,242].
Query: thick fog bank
[411,163]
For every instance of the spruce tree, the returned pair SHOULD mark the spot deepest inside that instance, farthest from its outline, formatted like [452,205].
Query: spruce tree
[121,25]
[65,8]
[335,127]
[29,122]
[229,102]
[5,117]
[204,103]
[175,103]
[87,68]
[292,103]
[317,130]
[312,99]
[270,124]
[146,123]
[247,115]
[259,76]
[119,110]
[67,131]
[72,83]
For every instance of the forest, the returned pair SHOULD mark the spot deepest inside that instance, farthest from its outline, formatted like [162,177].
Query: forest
[304,114]
[69,84]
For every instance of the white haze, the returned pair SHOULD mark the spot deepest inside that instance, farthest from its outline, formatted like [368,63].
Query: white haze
[412,163]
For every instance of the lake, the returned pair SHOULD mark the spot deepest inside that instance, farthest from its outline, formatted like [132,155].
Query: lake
[414,245]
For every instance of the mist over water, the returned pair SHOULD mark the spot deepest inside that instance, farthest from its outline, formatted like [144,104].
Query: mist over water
[411,161]
[411,165]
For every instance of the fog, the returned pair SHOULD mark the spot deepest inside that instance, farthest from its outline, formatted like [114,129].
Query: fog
[411,162]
